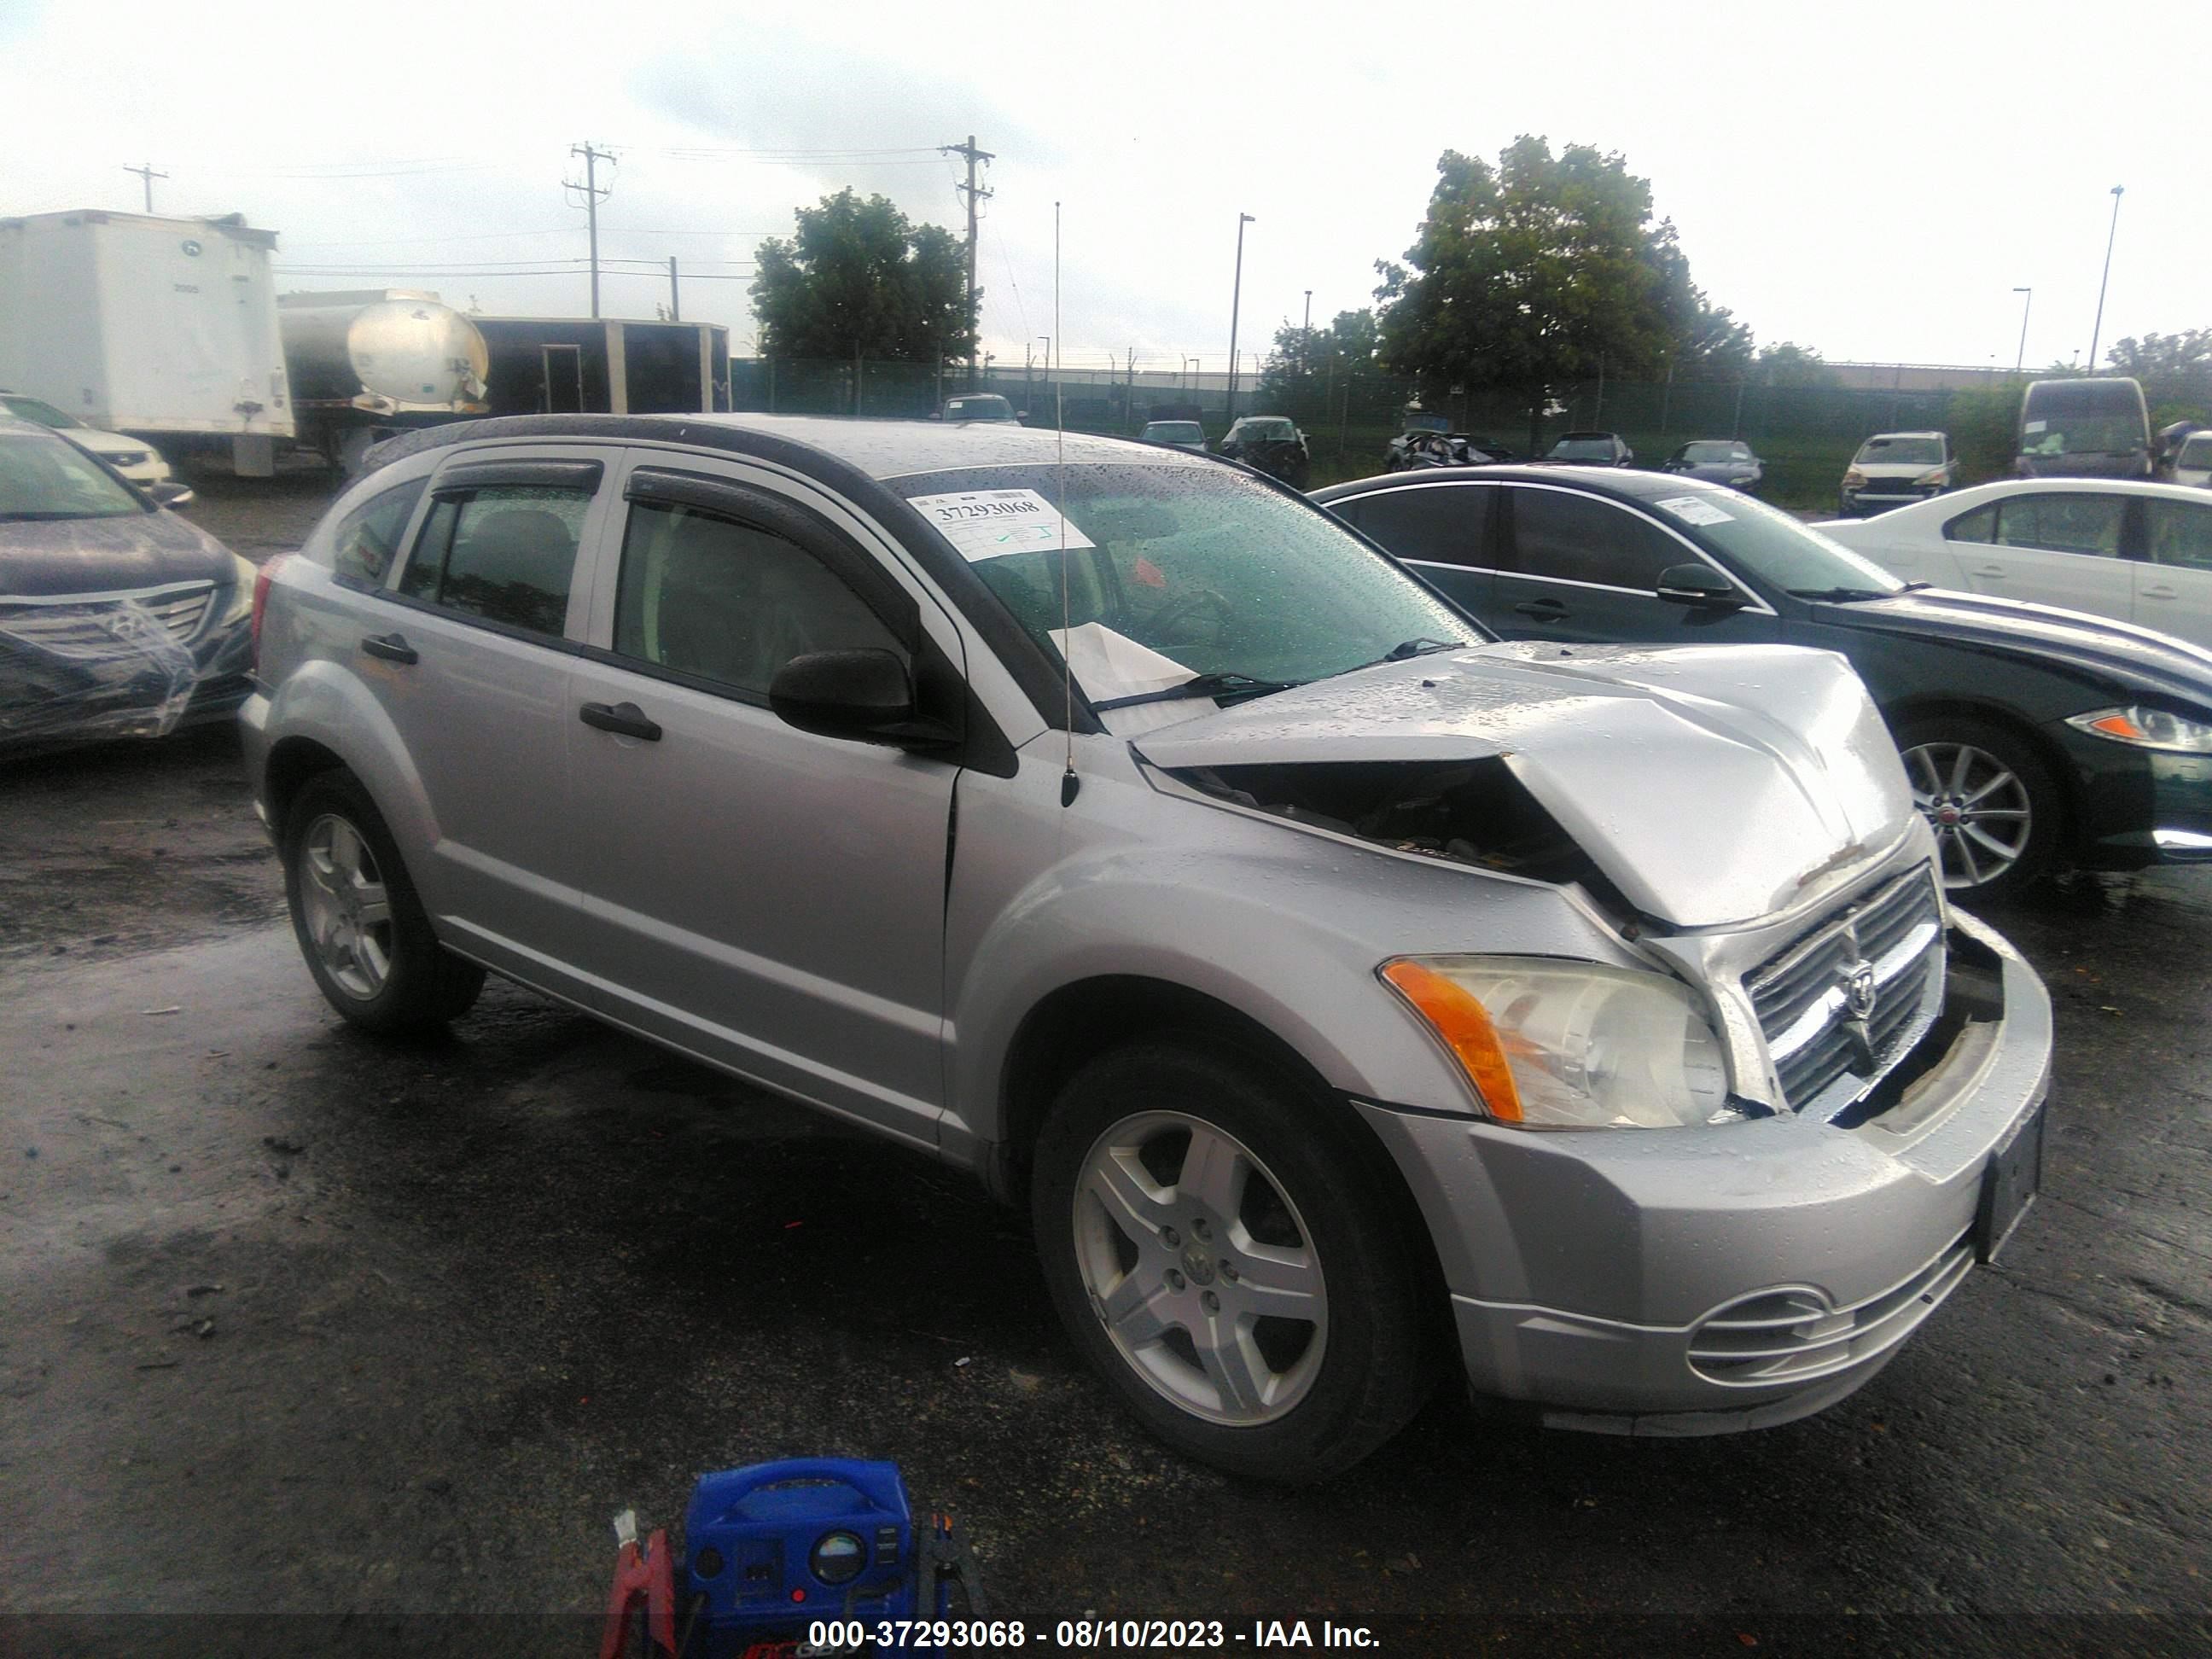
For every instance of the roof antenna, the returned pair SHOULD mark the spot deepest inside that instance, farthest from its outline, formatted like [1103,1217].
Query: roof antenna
[1069,783]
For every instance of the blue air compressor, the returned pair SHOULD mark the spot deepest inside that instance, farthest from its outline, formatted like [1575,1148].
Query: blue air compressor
[776,1554]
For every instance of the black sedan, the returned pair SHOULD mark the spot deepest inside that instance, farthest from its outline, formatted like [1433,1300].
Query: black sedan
[2032,736]
[117,617]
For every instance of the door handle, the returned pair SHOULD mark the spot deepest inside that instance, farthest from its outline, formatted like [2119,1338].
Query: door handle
[1996,570]
[392,648]
[2159,593]
[1542,610]
[625,719]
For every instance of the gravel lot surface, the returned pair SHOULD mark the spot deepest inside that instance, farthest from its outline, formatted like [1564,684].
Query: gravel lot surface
[300,1322]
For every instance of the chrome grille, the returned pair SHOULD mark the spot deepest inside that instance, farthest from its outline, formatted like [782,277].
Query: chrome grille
[1890,943]
[86,627]
[1795,1336]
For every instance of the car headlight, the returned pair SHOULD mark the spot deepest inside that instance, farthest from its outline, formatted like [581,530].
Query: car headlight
[1855,479]
[240,604]
[1931,479]
[1551,1044]
[2147,728]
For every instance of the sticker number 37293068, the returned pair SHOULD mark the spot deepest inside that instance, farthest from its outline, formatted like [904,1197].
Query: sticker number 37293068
[990,523]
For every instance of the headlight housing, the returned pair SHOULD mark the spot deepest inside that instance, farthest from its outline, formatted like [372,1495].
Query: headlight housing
[240,603]
[1930,479]
[2147,728]
[1570,1045]
[1855,479]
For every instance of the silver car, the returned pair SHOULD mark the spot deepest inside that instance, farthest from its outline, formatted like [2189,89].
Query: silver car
[1332,984]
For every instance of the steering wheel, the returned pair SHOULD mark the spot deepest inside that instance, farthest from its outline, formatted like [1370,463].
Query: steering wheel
[1171,624]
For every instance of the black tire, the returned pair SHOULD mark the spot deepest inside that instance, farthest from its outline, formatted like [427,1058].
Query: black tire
[424,984]
[1378,1364]
[1967,872]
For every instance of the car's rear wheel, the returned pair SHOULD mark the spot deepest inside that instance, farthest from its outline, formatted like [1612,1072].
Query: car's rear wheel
[366,937]
[1219,1245]
[1990,800]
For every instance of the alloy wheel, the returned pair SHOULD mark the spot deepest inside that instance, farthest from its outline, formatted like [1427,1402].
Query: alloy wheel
[1200,1268]
[1978,806]
[349,913]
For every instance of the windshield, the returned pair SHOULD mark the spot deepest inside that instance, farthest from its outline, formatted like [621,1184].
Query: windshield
[1715,452]
[1583,449]
[1263,432]
[39,410]
[2196,455]
[1176,432]
[991,408]
[1772,546]
[43,477]
[1176,572]
[2082,435]
[1900,452]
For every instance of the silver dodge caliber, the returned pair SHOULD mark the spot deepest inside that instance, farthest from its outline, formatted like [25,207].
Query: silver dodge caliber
[1336,987]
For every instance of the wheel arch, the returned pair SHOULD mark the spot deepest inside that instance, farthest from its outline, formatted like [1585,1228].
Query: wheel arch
[1911,711]
[1076,1023]
[291,763]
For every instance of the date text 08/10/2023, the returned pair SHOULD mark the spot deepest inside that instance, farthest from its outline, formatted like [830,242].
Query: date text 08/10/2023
[1083,1635]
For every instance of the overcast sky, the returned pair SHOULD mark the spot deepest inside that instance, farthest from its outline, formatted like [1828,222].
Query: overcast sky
[1873,182]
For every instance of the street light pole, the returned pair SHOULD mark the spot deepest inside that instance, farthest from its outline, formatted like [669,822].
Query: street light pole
[2118,190]
[1236,298]
[2021,361]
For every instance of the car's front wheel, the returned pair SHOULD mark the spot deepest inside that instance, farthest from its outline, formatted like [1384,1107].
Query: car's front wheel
[1219,1245]
[1990,798]
[366,937]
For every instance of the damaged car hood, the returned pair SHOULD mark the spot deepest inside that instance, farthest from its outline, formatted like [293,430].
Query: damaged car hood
[1711,784]
[44,558]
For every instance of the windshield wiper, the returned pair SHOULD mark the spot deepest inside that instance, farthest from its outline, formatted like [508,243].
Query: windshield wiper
[1403,650]
[1848,595]
[1205,685]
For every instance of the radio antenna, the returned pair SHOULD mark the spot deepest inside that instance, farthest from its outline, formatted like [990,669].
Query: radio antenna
[1069,783]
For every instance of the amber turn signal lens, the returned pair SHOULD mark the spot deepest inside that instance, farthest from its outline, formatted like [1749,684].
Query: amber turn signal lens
[1464,1025]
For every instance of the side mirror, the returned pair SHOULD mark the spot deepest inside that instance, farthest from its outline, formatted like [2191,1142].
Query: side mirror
[1701,587]
[862,697]
[169,493]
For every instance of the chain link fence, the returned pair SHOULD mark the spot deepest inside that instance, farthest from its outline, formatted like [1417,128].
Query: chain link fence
[1806,434]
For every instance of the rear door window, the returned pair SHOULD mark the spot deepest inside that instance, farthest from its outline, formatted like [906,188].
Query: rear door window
[502,553]
[2063,522]
[1564,536]
[1440,524]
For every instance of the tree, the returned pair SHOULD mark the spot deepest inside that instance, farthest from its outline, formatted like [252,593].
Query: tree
[1305,359]
[2175,369]
[1539,272]
[1791,364]
[856,278]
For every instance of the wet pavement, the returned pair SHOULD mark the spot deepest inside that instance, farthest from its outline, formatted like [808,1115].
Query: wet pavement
[298,1321]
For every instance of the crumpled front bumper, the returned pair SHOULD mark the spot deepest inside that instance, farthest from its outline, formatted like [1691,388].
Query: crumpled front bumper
[1614,1280]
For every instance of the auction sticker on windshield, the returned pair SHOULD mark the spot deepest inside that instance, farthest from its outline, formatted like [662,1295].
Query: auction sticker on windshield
[989,524]
[1695,509]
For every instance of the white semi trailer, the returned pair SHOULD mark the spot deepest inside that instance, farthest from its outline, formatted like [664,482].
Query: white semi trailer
[164,328]
[365,364]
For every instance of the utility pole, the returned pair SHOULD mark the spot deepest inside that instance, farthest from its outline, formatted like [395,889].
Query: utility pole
[2020,362]
[147,176]
[675,310]
[1307,327]
[592,192]
[1236,298]
[975,193]
[2118,190]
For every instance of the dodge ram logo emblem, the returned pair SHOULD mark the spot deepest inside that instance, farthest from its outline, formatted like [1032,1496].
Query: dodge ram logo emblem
[1859,990]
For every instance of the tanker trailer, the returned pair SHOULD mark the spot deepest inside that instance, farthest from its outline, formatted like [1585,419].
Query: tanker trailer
[366,365]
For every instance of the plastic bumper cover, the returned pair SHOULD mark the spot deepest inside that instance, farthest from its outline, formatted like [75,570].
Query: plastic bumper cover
[1628,1280]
